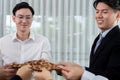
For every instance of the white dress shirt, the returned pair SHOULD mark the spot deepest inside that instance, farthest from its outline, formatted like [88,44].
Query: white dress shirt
[90,76]
[14,50]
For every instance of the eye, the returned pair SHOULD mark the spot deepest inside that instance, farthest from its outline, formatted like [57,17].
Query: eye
[97,11]
[105,12]
[28,17]
[20,17]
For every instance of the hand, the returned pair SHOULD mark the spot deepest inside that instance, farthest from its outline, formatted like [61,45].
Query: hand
[25,72]
[7,72]
[44,75]
[71,71]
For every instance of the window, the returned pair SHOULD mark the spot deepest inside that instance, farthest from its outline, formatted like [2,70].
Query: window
[68,24]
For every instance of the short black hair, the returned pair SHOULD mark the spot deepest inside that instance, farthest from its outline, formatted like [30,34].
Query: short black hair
[22,5]
[114,4]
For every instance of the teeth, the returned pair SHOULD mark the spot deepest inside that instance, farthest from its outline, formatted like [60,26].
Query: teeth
[100,21]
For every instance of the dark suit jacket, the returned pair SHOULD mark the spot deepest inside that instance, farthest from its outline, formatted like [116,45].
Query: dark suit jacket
[16,77]
[106,60]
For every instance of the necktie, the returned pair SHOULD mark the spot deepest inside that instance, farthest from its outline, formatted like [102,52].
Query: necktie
[98,42]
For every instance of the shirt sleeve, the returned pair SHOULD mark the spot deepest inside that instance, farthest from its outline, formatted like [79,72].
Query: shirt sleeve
[16,77]
[90,76]
[46,50]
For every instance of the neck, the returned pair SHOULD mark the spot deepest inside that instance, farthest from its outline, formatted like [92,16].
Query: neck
[23,35]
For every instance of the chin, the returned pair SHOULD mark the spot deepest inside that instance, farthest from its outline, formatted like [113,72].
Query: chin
[23,31]
[101,27]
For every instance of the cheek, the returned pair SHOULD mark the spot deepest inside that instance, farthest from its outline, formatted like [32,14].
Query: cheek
[29,23]
[17,21]
[109,17]
[109,20]
[95,16]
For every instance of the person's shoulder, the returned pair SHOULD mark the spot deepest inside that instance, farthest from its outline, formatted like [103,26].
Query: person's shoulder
[8,36]
[118,31]
[117,35]
[40,37]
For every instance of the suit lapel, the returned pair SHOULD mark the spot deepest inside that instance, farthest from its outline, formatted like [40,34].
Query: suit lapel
[92,49]
[100,48]
[93,46]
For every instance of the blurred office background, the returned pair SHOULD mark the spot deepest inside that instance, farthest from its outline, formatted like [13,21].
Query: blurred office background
[69,25]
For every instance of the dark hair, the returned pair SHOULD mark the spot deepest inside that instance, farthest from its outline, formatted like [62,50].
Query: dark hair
[114,4]
[22,5]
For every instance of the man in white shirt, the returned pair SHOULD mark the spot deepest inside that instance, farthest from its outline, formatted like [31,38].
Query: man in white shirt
[23,45]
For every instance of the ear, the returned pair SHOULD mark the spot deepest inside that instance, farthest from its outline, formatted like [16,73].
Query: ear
[118,14]
[13,18]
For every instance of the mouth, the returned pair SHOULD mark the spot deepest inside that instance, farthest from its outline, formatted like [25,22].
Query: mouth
[100,21]
[24,26]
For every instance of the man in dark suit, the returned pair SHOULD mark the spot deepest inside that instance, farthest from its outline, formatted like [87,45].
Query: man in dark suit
[105,52]
[105,59]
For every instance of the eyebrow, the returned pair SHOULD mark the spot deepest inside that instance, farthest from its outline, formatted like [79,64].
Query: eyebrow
[102,9]
[23,15]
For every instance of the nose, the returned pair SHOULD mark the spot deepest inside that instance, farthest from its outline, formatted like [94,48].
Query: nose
[24,20]
[99,15]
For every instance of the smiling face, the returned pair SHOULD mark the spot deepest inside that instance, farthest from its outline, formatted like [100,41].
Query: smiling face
[23,20]
[105,16]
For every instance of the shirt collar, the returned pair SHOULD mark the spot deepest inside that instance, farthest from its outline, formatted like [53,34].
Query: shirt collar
[105,32]
[31,37]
